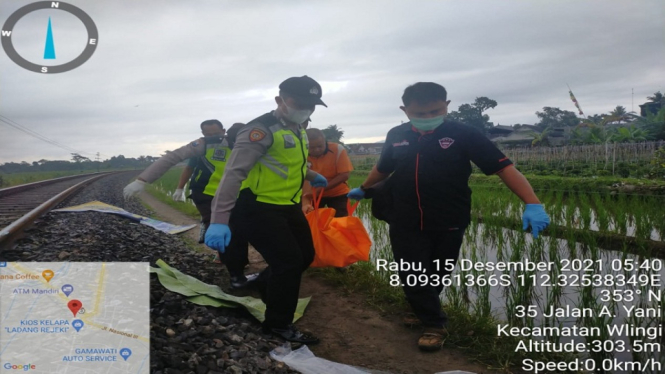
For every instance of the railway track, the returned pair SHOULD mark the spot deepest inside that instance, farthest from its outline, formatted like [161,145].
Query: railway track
[21,205]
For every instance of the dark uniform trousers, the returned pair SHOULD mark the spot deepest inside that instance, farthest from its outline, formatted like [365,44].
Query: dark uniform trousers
[282,235]
[203,205]
[424,247]
[235,255]
[338,203]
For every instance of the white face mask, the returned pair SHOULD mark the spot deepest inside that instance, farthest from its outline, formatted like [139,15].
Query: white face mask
[295,115]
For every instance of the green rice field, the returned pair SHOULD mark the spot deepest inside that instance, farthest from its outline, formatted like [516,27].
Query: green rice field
[603,256]
[612,297]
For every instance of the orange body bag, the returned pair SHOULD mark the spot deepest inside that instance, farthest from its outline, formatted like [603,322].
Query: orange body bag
[338,241]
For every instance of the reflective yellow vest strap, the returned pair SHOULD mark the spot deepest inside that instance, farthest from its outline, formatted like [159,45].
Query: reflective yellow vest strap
[278,176]
[215,160]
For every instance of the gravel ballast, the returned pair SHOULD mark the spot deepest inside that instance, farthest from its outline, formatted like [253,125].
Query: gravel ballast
[184,337]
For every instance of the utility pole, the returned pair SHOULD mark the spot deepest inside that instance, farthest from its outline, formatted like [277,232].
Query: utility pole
[97,160]
[632,100]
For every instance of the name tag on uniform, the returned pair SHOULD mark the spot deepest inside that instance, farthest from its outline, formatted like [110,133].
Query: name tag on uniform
[289,141]
[219,155]
[445,143]
[401,144]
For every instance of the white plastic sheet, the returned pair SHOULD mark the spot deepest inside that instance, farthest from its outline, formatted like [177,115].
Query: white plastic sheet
[303,360]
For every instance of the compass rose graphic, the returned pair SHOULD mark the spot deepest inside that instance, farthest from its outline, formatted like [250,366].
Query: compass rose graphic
[49,46]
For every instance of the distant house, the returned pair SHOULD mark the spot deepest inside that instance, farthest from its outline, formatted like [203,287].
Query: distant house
[499,131]
[557,136]
[526,127]
[364,148]
[513,136]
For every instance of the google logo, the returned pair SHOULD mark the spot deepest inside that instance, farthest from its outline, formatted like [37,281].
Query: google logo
[25,367]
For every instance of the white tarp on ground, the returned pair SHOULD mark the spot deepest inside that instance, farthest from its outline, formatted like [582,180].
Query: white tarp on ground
[98,206]
[303,360]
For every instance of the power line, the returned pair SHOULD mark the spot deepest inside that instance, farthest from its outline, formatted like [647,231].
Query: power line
[40,137]
[34,134]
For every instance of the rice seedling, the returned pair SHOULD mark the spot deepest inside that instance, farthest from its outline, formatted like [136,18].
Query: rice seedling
[621,216]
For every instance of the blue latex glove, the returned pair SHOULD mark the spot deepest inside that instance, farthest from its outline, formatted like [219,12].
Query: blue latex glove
[319,181]
[356,194]
[535,216]
[218,236]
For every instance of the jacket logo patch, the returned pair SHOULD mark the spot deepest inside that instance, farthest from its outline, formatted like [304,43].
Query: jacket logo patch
[289,141]
[446,142]
[256,135]
[219,155]
[401,144]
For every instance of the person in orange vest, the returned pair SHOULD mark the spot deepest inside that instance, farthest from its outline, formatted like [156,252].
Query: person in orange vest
[332,161]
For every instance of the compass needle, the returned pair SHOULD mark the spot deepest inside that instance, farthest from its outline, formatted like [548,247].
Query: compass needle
[49,48]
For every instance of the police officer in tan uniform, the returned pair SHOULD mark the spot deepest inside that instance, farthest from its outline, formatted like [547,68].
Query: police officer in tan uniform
[212,152]
[259,198]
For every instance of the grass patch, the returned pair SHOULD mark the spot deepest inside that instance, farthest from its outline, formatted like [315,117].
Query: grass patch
[157,189]
[162,189]
[360,278]
[15,179]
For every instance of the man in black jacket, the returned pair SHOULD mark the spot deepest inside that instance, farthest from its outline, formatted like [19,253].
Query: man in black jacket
[428,161]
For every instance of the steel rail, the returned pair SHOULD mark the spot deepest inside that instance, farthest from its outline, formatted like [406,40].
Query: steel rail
[28,186]
[11,232]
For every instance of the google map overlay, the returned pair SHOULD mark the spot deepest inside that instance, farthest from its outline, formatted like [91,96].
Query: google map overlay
[74,317]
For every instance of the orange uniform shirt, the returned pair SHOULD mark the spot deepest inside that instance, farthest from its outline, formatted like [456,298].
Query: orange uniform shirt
[335,161]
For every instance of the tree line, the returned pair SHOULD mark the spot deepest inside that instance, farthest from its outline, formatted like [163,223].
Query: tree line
[78,163]
[615,126]
[82,163]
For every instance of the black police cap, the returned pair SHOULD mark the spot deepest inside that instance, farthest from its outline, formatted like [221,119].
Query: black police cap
[304,89]
[209,122]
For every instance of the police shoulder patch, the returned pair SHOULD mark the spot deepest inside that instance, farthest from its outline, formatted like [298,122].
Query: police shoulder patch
[256,135]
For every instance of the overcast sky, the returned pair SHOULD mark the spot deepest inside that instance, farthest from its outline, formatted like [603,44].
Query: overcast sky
[162,67]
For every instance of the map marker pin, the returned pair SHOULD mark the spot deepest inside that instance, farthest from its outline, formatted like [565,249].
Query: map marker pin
[47,274]
[74,306]
[78,324]
[67,289]
[125,353]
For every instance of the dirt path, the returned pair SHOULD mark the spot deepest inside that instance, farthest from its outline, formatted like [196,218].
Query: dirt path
[350,331]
